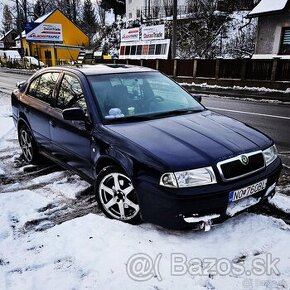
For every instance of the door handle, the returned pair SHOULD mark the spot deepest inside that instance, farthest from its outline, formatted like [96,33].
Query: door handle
[52,123]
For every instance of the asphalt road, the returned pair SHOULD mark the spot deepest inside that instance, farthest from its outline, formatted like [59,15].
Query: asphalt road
[271,118]
[8,81]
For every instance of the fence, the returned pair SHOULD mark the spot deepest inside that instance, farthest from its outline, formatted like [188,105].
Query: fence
[272,73]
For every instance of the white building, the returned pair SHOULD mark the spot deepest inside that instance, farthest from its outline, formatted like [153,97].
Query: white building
[150,8]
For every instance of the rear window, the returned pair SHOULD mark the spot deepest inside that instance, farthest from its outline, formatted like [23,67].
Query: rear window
[43,86]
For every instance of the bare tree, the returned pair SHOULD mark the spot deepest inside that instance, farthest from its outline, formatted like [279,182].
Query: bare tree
[101,15]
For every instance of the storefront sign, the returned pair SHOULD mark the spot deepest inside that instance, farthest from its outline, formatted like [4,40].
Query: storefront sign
[46,32]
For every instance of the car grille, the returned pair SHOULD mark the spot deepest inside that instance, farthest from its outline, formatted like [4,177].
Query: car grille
[234,168]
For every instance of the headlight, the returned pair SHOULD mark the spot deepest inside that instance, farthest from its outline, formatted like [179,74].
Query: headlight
[190,178]
[270,154]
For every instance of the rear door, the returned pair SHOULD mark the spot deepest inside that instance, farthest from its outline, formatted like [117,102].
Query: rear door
[37,102]
[71,140]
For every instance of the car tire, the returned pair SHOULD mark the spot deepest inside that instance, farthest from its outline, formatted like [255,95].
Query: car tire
[28,145]
[116,195]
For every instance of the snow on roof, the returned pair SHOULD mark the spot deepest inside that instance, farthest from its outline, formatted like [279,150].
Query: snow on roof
[268,6]
[6,34]
[43,17]
[23,34]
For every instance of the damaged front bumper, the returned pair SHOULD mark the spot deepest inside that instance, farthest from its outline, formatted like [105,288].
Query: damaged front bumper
[201,207]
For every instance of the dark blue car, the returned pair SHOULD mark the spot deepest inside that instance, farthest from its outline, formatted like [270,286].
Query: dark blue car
[153,152]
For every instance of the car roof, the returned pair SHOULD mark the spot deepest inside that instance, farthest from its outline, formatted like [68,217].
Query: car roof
[100,69]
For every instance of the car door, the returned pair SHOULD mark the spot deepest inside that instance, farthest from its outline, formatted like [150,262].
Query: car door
[37,104]
[71,140]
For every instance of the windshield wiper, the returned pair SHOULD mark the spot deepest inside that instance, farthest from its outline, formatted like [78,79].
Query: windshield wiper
[153,116]
[177,112]
[129,119]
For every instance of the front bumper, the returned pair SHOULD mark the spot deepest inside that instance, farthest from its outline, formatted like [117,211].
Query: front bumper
[171,208]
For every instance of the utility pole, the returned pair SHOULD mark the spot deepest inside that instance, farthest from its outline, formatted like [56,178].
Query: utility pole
[174,29]
[149,4]
[19,28]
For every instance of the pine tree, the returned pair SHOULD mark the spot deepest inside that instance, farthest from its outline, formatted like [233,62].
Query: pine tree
[89,21]
[42,7]
[118,6]
[7,22]
[70,8]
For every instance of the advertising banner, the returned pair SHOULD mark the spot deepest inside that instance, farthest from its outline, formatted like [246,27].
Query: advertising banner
[46,32]
[153,32]
[131,34]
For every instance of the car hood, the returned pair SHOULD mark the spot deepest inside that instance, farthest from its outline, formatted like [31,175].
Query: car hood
[195,140]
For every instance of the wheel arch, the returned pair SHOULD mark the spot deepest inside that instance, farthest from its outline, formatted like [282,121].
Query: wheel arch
[107,160]
[22,120]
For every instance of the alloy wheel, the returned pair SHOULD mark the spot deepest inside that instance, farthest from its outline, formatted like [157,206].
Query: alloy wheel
[118,197]
[26,145]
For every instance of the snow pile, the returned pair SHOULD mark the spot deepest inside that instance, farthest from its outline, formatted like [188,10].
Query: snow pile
[255,89]
[282,201]
[6,123]
[93,252]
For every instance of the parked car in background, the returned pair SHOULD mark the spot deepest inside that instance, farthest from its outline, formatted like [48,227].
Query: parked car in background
[152,151]
[32,62]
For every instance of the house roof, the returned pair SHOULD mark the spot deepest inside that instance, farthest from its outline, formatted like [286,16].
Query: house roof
[266,7]
[44,17]
[7,33]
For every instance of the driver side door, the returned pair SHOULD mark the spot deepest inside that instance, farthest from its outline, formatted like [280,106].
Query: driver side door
[71,140]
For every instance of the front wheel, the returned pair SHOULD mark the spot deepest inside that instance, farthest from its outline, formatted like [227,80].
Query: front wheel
[116,195]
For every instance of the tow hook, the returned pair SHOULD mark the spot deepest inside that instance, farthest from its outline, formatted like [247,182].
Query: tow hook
[206,225]
[204,221]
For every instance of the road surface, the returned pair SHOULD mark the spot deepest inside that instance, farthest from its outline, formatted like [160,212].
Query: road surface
[271,118]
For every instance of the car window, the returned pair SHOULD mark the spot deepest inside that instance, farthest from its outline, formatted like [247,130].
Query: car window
[71,94]
[140,94]
[33,87]
[42,87]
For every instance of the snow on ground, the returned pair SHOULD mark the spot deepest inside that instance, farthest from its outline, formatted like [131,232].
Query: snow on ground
[282,201]
[52,236]
[247,88]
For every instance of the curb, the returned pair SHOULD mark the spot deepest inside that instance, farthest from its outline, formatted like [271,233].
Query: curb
[243,94]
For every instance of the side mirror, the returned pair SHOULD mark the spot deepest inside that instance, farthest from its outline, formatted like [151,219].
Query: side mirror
[73,114]
[197,97]
[19,85]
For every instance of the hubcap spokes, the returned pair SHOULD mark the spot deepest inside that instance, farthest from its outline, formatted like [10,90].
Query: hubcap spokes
[117,196]
[26,145]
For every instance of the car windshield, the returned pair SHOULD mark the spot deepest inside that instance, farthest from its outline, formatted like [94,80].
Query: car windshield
[140,96]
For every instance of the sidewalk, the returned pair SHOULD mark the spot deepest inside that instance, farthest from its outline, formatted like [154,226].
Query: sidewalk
[239,92]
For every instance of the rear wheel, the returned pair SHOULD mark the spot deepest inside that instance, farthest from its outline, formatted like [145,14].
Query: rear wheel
[28,145]
[116,195]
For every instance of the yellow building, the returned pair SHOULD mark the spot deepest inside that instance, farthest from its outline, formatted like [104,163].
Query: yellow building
[54,53]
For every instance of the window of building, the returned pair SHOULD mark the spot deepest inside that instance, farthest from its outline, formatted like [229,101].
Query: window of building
[285,43]
[71,94]
[130,15]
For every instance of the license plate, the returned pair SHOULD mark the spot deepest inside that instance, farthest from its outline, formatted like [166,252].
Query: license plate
[247,191]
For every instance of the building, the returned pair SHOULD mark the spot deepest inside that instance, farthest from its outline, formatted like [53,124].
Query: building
[148,9]
[8,39]
[273,32]
[73,40]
